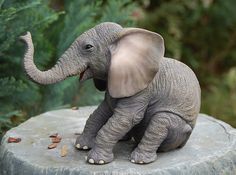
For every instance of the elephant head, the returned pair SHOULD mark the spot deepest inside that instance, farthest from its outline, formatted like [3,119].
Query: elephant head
[122,60]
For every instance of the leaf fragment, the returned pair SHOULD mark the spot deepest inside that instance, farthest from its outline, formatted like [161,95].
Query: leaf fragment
[53,135]
[13,140]
[52,146]
[75,108]
[64,151]
[56,139]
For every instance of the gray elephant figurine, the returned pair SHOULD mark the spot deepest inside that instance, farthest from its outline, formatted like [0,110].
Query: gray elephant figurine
[153,99]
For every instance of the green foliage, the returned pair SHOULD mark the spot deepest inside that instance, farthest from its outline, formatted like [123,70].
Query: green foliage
[11,119]
[17,92]
[52,31]
[202,34]
[220,97]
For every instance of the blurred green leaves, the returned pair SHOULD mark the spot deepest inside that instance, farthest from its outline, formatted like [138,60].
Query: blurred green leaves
[17,92]
[11,119]
[201,33]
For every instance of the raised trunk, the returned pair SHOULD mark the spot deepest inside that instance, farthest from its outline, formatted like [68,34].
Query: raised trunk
[65,66]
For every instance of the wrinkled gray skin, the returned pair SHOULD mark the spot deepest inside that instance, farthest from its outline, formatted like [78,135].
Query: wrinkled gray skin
[159,118]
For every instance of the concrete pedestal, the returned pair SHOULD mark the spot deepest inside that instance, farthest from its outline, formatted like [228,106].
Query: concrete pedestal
[211,149]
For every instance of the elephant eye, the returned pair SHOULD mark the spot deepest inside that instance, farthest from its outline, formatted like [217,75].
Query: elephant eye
[88,46]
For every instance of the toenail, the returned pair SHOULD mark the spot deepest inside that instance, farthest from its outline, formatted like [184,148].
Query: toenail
[91,161]
[101,162]
[78,145]
[132,161]
[85,147]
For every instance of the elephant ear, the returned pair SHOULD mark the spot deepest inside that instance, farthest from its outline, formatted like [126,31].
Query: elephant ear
[135,59]
[101,85]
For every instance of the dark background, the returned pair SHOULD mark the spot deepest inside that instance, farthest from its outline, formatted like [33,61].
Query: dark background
[200,33]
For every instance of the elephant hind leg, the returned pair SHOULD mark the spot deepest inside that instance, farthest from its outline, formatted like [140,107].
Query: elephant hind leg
[166,131]
[178,135]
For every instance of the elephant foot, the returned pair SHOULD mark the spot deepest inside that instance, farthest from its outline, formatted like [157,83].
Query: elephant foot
[99,156]
[142,157]
[84,143]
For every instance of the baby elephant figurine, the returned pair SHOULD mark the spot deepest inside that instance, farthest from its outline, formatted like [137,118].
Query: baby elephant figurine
[150,98]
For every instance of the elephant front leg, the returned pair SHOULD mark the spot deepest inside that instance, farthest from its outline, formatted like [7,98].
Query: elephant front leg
[127,114]
[115,128]
[95,121]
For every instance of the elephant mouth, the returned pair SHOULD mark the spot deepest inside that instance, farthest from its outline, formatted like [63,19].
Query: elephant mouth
[82,74]
[86,74]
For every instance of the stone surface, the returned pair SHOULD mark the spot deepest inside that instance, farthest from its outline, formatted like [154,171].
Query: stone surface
[210,150]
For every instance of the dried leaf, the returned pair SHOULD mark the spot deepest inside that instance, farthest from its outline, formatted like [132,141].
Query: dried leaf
[13,140]
[53,135]
[52,146]
[75,108]
[56,139]
[64,151]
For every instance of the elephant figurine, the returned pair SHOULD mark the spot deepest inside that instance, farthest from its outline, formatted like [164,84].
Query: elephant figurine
[150,98]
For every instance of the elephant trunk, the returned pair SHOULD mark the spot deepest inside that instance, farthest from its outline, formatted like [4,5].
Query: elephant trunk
[66,66]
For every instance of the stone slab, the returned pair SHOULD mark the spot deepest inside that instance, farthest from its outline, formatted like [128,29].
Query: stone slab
[211,149]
